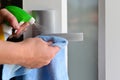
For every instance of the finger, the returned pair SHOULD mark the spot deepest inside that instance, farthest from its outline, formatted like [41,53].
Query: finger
[50,43]
[22,28]
[1,17]
[6,15]
[54,49]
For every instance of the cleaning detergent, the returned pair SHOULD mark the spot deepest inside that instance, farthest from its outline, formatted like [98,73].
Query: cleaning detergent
[21,16]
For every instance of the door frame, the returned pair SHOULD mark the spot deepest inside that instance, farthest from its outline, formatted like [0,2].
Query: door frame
[101,39]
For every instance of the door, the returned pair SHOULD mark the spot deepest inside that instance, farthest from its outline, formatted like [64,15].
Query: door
[83,56]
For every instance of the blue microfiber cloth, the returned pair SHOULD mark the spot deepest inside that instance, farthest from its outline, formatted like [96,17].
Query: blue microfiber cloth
[56,70]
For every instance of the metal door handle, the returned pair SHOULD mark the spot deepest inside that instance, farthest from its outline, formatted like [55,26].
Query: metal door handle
[45,26]
[68,36]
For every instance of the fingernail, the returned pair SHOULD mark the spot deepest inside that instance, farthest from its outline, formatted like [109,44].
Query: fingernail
[15,31]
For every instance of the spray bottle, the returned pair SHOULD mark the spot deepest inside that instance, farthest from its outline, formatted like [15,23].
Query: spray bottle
[21,16]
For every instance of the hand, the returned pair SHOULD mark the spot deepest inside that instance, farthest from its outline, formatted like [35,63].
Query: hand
[36,53]
[30,53]
[5,15]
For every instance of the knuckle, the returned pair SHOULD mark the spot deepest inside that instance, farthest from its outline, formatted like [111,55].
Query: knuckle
[52,53]
[38,39]
[50,56]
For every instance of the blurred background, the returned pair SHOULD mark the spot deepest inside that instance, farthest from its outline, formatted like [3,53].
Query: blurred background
[83,56]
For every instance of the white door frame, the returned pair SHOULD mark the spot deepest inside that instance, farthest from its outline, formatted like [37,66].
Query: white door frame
[109,40]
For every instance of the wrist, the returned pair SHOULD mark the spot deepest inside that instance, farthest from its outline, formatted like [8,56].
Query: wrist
[10,52]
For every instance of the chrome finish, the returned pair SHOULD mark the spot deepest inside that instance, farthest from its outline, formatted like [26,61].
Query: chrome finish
[45,25]
[68,36]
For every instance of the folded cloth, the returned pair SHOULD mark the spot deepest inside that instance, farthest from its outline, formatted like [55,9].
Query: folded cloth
[56,70]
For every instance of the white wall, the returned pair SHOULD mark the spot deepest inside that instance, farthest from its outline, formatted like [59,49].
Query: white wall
[112,39]
[109,40]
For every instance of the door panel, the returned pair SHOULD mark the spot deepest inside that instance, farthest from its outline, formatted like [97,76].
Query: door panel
[83,56]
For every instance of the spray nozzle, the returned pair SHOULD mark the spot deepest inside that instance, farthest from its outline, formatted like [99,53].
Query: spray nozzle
[21,15]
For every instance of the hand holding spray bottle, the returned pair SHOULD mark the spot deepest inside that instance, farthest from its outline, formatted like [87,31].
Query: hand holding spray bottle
[21,16]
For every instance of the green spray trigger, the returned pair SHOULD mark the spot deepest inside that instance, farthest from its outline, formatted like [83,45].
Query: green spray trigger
[22,17]
[20,14]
